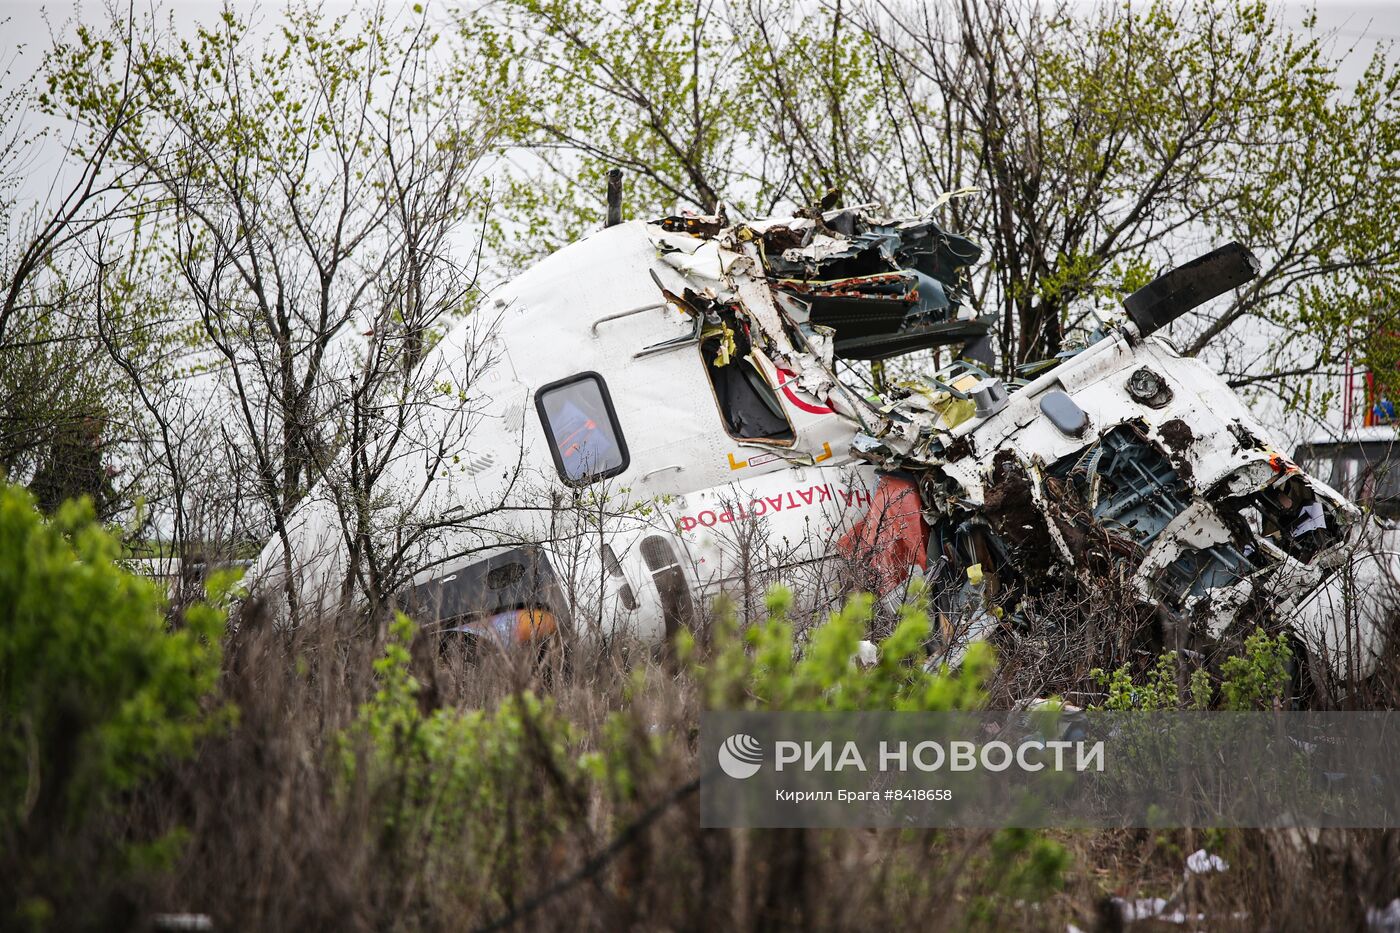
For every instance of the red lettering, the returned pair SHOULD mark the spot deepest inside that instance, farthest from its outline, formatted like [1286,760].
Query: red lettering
[855,497]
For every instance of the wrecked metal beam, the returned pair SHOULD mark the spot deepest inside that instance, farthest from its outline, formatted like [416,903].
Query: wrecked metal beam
[1169,296]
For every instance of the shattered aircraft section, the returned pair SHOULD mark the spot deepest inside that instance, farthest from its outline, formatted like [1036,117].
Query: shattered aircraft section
[1119,458]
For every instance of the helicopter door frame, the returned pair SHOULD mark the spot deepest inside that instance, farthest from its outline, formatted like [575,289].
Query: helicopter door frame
[776,407]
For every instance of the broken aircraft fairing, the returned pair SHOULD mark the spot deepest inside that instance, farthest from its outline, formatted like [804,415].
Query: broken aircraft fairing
[1164,477]
[1121,458]
[875,287]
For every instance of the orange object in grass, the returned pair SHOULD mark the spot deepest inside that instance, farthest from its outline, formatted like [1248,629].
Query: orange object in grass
[533,624]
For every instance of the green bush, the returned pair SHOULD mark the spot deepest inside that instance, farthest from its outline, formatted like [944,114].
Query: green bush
[96,691]
[448,764]
[451,789]
[1157,691]
[765,668]
[1256,679]
[479,794]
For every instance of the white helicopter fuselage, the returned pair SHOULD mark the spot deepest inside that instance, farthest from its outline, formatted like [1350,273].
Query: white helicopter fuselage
[731,510]
[657,420]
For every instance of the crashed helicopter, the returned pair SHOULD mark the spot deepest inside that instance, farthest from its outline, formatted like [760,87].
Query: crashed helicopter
[686,370]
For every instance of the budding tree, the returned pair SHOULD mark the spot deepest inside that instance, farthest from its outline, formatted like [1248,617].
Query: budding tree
[1095,146]
[307,201]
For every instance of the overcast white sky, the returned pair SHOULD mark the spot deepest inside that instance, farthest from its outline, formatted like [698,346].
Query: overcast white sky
[1358,27]
[27,22]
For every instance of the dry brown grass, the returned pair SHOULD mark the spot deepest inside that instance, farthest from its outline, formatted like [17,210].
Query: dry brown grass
[277,837]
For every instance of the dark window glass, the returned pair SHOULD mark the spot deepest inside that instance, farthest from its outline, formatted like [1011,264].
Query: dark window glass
[583,434]
[1345,475]
[1381,474]
[506,575]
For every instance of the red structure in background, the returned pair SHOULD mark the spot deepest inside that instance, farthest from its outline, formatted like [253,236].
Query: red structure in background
[1378,405]
[1380,410]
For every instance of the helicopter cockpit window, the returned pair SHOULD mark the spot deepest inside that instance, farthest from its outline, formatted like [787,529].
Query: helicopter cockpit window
[748,403]
[582,428]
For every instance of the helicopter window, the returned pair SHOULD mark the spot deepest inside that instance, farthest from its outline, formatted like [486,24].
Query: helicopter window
[748,403]
[581,425]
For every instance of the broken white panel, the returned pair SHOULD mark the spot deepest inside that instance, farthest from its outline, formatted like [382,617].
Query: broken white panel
[1346,619]
[1195,528]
